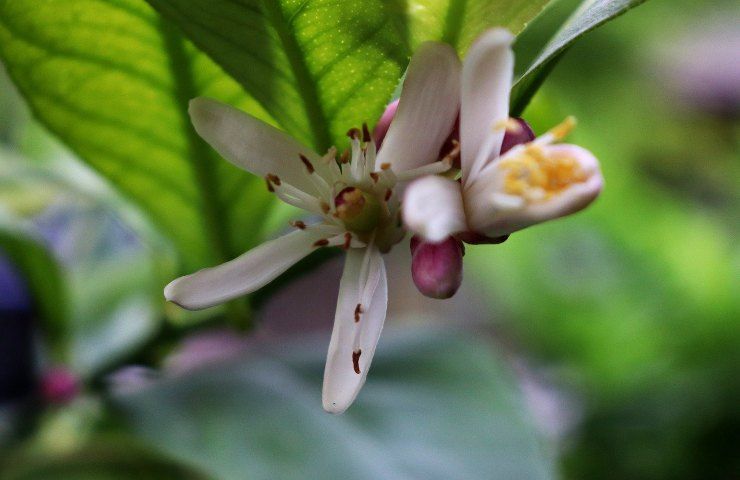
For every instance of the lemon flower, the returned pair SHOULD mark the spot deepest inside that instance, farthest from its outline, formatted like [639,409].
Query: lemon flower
[498,194]
[356,196]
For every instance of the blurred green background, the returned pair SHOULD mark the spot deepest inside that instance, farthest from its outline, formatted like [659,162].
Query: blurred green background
[604,345]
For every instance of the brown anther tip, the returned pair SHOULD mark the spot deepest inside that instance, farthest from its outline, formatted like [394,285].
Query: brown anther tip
[307,163]
[347,240]
[273,179]
[321,243]
[356,361]
[388,194]
[353,133]
[345,156]
[269,185]
[325,207]
[365,133]
[375,176]
[298,224]
[385,166]
[358,312]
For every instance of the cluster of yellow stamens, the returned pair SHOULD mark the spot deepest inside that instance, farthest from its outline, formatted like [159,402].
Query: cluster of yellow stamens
[534,175]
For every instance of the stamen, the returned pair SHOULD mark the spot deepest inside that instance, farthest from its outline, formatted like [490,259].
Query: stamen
[345,156]
[358,161]
[325,207]
[297,224]
[274,179]
[358,312]
[354,133]
[269,185]
[388,194]
[453,154]
[508,124]
[307,163]
[430,169]
[347,240]
[321,243]
[375,176]
[563,129]
[385,166]
[356,361]
[365,133]
[294,196]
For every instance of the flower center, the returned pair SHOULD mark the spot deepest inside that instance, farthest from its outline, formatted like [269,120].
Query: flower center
[536,176]
[360,211]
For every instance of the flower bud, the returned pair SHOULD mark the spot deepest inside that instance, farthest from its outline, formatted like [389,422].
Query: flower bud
[381,128]
[59,386]
[519,132]
[436,268]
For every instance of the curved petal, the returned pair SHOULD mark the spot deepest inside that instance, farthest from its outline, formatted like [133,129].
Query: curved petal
[494,213]
[427,109]
[246,273]
[250,143]
[433,208]
[356,329]
[486,84]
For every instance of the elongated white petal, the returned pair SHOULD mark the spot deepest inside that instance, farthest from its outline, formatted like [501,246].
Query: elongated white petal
[429,104]
[353,342]
[486,84]
[250,143]
[433,208]
[493,211]
[246,273]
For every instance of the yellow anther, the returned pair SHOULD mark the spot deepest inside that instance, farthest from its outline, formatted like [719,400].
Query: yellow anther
[535,176]
[508,125]
[562,130]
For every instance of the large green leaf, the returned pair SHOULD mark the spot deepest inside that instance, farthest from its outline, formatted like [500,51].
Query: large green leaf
[113,80]
[589,15]
[458,22]
[436,406]
[318,66]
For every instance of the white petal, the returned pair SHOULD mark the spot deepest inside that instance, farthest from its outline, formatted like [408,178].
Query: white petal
[250,143]
[486,84]
[341,382]
[427,110]
[493,213]
[433,208]
[246,273]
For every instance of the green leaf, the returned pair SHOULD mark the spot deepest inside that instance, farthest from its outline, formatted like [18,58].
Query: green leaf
[113,80]
[589,15]
[39,268]
[436,406]
[459,22]
[103,460]
[319,67]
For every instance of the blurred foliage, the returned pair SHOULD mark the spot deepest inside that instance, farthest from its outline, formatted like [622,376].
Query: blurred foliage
[629,309]
[633,306]
[442,406]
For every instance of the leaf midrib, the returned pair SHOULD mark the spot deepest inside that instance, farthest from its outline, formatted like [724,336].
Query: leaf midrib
[305,83]
[213,213]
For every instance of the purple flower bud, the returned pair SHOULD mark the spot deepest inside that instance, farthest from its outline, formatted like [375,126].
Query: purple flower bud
[437,267]
[381,128]
[59,385]
[516,136]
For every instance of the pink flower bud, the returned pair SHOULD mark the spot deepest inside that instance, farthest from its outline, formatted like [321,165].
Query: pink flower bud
[381,128]
[59,385]
[517,136]
[437,267]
